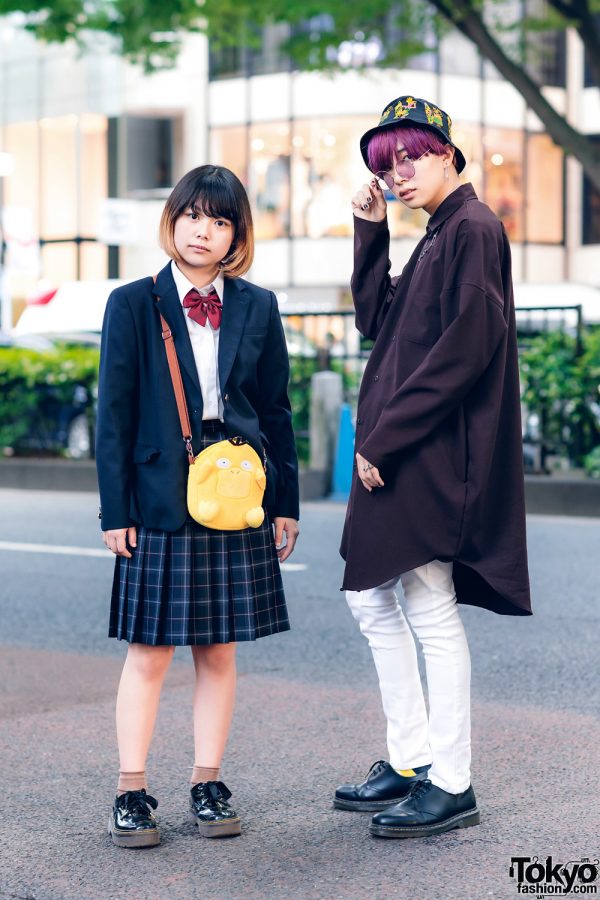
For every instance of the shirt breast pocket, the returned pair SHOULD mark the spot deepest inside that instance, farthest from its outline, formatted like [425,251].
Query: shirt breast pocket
[422,323]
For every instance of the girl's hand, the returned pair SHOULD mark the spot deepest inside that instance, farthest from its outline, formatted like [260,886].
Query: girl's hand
[290,527]
[118,538]
[368,474]
[369,202]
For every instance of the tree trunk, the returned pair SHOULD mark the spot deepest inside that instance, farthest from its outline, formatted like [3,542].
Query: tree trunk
[572,141]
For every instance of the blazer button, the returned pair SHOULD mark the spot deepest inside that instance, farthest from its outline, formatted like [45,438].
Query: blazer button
[393,337]
[376,378]
[359,421]
[226,398]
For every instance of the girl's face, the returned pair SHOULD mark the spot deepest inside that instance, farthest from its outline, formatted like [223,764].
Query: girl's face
[202,241]
[429,185]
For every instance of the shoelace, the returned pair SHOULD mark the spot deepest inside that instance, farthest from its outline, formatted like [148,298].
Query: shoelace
[212,792]
[138,802]
[376,768]
[421,788]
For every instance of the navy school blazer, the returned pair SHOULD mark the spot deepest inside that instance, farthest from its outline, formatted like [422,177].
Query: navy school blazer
[140,454]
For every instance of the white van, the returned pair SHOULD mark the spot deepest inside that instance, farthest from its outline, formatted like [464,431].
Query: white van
[560,294]
[77,308]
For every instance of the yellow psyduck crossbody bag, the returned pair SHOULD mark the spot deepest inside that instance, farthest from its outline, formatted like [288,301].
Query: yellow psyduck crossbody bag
[226,481]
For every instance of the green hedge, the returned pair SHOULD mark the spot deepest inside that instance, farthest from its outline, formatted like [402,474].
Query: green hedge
[31,379]
[26,375]
[559,381]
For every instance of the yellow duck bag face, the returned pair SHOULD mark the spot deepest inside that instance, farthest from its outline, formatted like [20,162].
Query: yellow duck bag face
[226,485]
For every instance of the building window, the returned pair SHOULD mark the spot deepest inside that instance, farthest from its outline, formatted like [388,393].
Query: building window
[590,79]
[327,170]
[227,62]
[468,138]
[260,53]
[271,56]
[54,198]
[302,175]
[459,55]
[59,181]
[547,58]
[93,261]
[229,147]
[93,171]
[503,177]
[545,198]
[591,210]
[324,171]
[149,154]
[21,190]
[59,262]
[269,179]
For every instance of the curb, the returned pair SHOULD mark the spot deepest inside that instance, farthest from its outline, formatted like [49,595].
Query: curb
[52,474]
[558,495]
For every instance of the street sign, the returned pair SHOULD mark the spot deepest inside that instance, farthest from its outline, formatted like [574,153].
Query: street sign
[119,222]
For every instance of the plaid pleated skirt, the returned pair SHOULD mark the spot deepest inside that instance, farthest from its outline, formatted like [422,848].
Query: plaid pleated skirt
[198,585]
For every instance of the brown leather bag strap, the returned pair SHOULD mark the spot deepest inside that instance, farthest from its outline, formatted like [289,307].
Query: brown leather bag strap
[184,419]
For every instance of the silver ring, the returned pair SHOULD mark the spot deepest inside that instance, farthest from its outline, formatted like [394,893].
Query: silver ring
[367,467]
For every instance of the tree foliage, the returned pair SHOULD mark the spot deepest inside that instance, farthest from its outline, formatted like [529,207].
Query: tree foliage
[505,32]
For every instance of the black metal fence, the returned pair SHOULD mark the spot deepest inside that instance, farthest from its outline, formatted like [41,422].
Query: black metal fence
[329,340]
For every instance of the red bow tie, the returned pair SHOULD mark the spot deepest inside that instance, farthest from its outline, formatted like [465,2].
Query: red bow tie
[201,306]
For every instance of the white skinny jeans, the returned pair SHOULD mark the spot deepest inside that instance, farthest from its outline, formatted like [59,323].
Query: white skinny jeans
[444,740]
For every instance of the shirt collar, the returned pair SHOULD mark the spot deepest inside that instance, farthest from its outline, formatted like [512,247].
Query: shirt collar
[184,285]
[450,205]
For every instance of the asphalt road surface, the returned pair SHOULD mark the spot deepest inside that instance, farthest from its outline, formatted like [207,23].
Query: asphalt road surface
[307,718]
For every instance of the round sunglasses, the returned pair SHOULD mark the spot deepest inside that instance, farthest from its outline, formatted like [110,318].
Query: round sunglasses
[405,169]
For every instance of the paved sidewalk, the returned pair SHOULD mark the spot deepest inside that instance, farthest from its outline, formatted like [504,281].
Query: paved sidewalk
[307,718]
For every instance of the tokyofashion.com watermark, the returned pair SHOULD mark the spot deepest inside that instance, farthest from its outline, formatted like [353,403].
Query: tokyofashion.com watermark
[545,878]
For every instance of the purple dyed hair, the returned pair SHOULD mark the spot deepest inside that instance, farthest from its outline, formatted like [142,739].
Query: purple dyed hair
[416,141]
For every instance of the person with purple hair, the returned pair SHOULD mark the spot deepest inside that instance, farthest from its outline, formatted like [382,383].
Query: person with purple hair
[437,497]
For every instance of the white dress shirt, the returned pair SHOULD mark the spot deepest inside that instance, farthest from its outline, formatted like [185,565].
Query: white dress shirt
[205,344]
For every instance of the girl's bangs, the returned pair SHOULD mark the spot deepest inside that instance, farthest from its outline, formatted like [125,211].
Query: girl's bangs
[212,196]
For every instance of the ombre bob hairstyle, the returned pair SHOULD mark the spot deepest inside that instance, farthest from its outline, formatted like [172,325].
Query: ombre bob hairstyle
[216,192]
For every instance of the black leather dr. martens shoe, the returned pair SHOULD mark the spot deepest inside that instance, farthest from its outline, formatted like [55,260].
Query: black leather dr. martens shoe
[427,810]
[382,787]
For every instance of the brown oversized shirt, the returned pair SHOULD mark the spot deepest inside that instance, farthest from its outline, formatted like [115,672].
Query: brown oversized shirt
[439,410]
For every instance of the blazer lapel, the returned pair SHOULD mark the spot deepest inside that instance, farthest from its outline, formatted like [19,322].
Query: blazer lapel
[170,307]
[235,309]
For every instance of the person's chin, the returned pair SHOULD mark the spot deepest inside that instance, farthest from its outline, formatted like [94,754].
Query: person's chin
[199,260]
[410,198]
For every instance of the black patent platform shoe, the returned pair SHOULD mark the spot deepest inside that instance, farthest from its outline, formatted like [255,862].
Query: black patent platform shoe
[131,822]
[211,812]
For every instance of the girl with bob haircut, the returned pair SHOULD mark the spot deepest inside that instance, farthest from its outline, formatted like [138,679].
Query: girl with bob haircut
[437,500]
[177,582]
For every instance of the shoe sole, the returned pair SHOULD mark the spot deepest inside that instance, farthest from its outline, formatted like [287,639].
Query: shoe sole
[463,820]
[366,805]
[134,840]
[228,828]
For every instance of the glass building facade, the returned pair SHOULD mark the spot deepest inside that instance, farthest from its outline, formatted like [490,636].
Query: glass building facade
[83,130]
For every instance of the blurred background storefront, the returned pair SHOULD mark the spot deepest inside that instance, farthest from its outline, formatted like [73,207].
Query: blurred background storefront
[97,146]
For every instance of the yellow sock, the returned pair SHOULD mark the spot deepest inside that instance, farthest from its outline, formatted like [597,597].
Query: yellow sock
[406,773]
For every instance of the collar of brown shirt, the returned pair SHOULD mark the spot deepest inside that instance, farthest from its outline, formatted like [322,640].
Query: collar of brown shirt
[449,206]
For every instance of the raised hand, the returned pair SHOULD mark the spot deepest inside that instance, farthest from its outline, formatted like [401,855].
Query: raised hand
[369,202]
